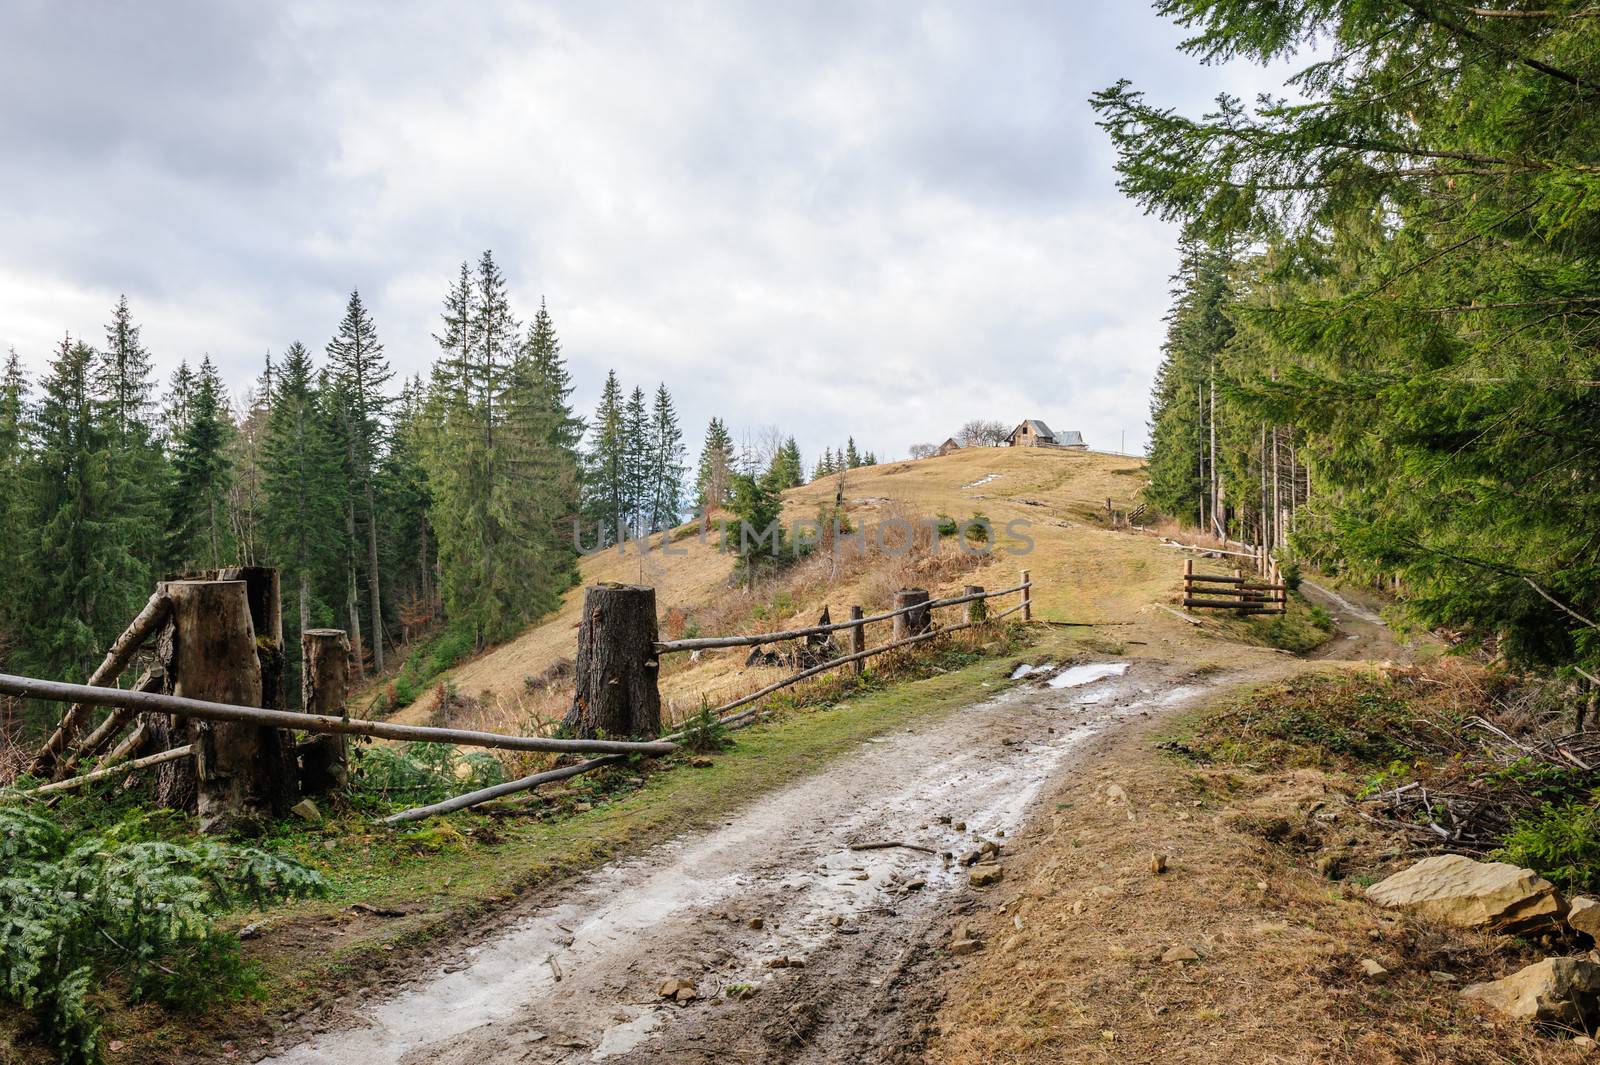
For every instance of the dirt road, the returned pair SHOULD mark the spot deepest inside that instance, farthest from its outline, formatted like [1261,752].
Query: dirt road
[799,945]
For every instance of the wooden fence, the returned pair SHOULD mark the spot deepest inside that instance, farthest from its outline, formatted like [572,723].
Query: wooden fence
[241,760]
[1237,592]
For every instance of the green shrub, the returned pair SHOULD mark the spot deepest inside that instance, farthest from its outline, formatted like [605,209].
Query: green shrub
[948,525]
[979,528]
[1560,842]
[445,651]
[79,909]
[422,773]
[1290,572]
[704,733]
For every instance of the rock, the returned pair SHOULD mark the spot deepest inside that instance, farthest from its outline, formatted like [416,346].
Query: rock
[969,858]
[1558,991]
[1372,969]
[965,946]
[988,846]
[757,923]
[1583,915]
[1459,891]
[1116,795]
[306,810]
[702,762]
[985,875]
[675,987]
[1583,1042]
[783,961]
[960,826]
[1441,977]
[863,875]
[916,884]
[582,807]
[1180,953]
[1158,864]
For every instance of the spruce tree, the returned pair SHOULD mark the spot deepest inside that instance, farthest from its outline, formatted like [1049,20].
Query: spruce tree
[355,358]
[714,476]
[16,459]
[606,464]
[84,583]
[638,463]
[197,531]
[300,472]
[852,459]
[666,452]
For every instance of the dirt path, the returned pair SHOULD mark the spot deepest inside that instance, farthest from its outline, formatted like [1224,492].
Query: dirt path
[578,978]
[1362,633]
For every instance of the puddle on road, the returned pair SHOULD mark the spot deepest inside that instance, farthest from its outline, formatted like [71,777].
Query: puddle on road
[1078,676]
[1025,670]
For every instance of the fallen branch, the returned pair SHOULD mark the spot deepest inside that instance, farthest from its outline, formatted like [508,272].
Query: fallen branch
[110,771]
[890,844]
[155,612]
[112,726]
[1180,615]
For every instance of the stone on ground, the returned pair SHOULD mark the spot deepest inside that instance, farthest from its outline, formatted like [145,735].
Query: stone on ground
[984,875]
[1180,953]
[1559,991]
[1457,890]
[1583,915]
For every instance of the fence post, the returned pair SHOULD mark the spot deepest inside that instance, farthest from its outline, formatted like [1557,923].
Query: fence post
[614,673]
[858,639]
[1027,598]
[1188,578]
[978,609]
[324,689]
[913,622]
[214,658]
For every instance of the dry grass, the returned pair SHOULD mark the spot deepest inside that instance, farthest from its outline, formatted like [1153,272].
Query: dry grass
[1071,972]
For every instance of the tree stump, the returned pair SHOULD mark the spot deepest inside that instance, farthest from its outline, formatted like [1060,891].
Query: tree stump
[266,615]
[977,610]
[214,658]
[913,622]
[324,687]
[615,692]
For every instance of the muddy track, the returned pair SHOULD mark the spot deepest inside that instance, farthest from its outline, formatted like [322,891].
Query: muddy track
[798,946]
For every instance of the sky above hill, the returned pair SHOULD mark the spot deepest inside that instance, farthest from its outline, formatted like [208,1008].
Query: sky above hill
[870,219]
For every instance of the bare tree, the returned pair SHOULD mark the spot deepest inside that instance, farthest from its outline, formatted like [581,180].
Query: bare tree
[923,451]
[981,432]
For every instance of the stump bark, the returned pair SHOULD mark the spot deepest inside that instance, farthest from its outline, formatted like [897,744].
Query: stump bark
[280,769]
[324,688]
[913,622]
[214,658]
[615,692]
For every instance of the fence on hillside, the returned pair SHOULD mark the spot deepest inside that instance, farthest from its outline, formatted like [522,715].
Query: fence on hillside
[217,687]
[1268,595]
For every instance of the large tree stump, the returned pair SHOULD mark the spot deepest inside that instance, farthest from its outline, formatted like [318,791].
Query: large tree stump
[913,622]
[615,671]
[324,687]
[214,657]
[266,615]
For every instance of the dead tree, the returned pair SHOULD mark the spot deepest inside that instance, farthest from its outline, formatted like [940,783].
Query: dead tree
[213,656]
[914,621]
[324,687]
[615,670]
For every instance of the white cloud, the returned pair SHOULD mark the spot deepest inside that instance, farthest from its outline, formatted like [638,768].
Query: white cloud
[833,218]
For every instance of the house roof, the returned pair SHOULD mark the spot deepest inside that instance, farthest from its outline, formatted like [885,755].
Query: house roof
[1039,429]
[949,441]
[1071,436]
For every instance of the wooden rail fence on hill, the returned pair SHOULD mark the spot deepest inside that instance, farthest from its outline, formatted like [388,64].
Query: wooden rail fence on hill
[221,767]
[1238,592]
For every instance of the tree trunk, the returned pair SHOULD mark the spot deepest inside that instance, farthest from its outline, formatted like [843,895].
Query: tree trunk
[373,581]
[214,658]
[915,621]
[324,687]
[352,605]
[615,670]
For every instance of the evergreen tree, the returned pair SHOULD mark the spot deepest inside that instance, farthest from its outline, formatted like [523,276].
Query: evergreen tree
[197,534]
[403,500]
[606,464]
[638,463]
[180,397]
[714,476]
[852,459]
[355,358]
[302,519]
[787,469]
[666,450]
[16,459]
[83,581]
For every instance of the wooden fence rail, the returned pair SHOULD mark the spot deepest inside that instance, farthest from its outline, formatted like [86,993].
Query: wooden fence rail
[1239,593]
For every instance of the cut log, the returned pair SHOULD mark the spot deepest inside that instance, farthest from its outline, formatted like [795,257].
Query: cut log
[214,658]
[155,612]
[324,688]
[616,666]
[915,620]
[279,771]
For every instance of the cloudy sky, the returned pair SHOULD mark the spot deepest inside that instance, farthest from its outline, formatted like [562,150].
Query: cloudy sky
[879,219]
